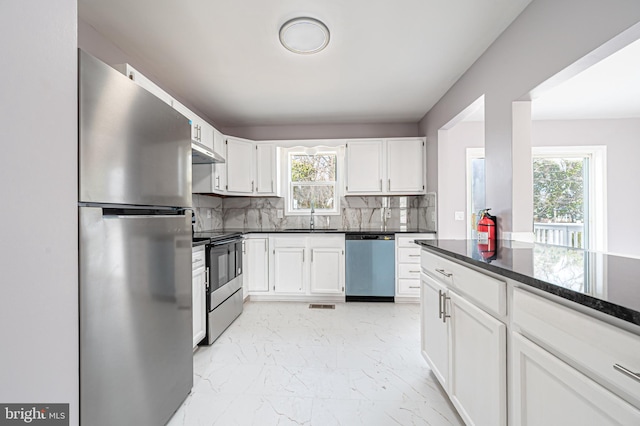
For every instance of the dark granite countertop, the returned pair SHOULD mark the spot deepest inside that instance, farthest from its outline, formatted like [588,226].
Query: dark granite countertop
[204,237]
[375,230]
[607,283]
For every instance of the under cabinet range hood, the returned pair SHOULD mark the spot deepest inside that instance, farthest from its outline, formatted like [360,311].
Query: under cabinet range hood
[201,154]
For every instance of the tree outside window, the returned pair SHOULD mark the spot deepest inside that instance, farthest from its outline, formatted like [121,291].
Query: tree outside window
[558,190]
[312,182]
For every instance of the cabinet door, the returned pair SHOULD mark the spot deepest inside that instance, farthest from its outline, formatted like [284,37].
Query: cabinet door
[546,391]
[364,167]
[289,269]
[256,265]
[240,166]
[193,119]
[206,134]
[434,334]
[327,270]
[266,181]
[198,281]
[478,362]
[219,178]
[405,166]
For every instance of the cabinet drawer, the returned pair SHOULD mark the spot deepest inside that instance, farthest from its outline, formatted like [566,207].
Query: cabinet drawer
[588,344]
[409,286]
[197,257]
[407,240]
[409,270]
[488,292]
[409,255]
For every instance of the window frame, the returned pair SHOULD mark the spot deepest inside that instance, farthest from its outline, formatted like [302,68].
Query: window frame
[289,210]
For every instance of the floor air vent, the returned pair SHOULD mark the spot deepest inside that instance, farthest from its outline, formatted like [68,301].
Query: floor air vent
[319,306]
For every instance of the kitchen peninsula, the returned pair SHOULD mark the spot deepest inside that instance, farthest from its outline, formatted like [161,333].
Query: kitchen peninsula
[561,324]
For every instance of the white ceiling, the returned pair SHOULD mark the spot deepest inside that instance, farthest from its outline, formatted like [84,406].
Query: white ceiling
[387,61]
[608,89]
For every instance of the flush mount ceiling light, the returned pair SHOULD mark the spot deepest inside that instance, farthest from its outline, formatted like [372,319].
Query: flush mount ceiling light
[304,35]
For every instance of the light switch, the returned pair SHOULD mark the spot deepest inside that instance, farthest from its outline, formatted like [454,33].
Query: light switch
[279,214]
[459,215]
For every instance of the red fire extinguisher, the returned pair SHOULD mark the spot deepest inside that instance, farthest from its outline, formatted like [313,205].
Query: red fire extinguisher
[487,235]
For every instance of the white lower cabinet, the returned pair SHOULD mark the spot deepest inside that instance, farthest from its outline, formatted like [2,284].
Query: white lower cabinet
[565,367]
[198,289]
[304,267]
[465,346]
[478,356]
[327,270]
[408,266]
[289,269]
[434,330]
[547,391]
[256,264]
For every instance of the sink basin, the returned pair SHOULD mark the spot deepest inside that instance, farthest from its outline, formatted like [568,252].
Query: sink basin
[310,230]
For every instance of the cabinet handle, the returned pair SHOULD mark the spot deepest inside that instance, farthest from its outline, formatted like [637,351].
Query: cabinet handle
[206,279]
[414,255]
[251,186]
[443,272]
[626,372]
[444,307]
[389,185]
[217,182]
[414,286]
[440,304]
[271,185]
[380,184]
[416,272]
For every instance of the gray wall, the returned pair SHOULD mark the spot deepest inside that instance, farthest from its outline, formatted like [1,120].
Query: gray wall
[452,196]
[546,38]
[325,131]
[39,254]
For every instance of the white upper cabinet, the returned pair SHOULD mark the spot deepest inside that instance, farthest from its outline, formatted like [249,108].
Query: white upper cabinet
[405,166]
[390,166]
[364,167]
[266,170]
[251,168]
[201,131]
[240,166]
[144,82]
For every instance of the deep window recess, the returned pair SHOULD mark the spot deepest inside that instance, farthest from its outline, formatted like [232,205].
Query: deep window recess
[312,182]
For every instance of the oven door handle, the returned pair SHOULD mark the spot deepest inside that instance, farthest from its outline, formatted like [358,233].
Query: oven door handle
[224,242]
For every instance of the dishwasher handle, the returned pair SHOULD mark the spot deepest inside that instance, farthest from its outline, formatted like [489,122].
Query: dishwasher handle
[370,237]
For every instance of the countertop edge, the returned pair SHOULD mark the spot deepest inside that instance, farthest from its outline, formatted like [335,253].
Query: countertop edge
[608,308]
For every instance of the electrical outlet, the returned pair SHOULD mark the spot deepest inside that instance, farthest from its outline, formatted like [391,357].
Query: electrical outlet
[459,215]
[208,213]
[388,213]
[279,214]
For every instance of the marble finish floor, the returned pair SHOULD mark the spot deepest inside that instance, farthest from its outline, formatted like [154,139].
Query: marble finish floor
[286,364]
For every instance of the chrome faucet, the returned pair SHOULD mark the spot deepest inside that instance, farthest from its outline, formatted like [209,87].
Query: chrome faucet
[312,224]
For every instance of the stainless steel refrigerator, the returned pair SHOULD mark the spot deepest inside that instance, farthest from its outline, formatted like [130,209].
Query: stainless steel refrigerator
[135,251]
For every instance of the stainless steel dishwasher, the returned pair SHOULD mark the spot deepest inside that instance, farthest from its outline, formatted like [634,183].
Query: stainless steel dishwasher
[370,267]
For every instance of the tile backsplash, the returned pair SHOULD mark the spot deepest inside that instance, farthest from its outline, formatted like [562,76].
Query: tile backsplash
[356,212]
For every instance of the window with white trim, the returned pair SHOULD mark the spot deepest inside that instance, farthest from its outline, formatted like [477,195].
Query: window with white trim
[312,181]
